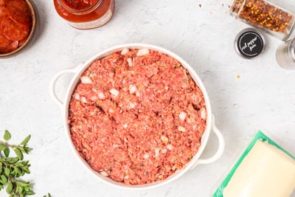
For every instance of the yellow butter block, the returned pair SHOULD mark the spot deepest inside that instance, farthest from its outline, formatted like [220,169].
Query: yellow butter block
[265,172]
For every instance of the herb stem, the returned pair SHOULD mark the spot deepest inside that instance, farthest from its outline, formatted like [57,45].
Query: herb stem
[9,145]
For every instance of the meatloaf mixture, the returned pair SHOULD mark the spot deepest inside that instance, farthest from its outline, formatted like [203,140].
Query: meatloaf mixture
[137,116]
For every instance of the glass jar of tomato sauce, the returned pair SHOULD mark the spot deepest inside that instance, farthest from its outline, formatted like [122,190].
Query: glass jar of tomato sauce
[85,14]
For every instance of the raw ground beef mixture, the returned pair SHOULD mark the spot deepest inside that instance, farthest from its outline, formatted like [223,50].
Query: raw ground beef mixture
[136,116]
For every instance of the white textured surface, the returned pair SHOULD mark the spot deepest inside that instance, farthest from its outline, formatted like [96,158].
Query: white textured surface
[262,98]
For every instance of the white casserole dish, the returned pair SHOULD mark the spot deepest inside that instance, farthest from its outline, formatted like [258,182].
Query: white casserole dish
[210,126]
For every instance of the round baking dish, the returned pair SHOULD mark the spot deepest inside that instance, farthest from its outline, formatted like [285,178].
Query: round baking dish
[210,125]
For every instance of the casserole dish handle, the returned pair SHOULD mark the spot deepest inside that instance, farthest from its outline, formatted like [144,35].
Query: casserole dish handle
[54,81]
[220,149]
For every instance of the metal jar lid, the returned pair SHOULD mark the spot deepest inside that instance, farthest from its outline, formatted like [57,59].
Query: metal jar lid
[249,43]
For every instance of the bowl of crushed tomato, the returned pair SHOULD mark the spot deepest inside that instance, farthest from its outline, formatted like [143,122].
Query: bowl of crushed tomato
[17,25]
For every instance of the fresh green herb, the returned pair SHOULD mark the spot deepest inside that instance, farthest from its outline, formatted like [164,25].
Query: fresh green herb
[48,195]
[7,135]
[13,167]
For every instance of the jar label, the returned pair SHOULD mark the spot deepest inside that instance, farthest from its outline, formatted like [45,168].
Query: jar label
[250,44]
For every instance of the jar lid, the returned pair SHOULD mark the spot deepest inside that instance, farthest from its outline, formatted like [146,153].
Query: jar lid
[249,43]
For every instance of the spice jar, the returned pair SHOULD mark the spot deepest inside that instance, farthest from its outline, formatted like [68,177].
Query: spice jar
[286,55]
[265,15]
[85,14]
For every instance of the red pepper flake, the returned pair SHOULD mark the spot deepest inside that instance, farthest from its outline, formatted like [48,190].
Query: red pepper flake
[263,14]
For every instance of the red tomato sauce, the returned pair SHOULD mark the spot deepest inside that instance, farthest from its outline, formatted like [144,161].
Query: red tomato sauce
[82,10]
[80,4]
[15,24]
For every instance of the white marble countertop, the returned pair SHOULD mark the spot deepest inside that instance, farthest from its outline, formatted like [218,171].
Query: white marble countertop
[246,95]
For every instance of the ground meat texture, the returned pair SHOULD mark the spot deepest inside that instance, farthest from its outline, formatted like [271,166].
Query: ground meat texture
[137,116]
